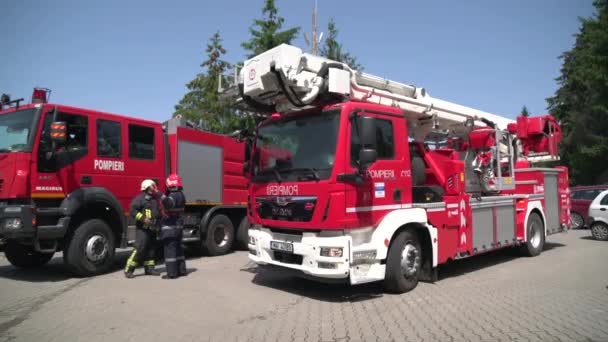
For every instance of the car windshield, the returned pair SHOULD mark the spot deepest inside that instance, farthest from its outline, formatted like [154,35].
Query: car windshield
[15,129]
[298,148]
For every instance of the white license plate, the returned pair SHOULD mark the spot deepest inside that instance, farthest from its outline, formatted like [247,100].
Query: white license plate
[281,246]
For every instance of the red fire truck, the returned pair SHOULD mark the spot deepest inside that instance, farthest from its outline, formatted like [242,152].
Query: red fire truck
[357,178]
[68,175]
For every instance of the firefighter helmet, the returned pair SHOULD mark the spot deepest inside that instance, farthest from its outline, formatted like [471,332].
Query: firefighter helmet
[174,181]
[146,184]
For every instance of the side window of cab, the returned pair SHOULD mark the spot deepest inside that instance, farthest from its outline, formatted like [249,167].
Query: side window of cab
[51,156]
[385,142]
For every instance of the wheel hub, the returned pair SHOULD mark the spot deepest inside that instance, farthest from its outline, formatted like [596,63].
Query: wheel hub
[220,236]
[600,231]
[410,260]
[96,248]
[535,235]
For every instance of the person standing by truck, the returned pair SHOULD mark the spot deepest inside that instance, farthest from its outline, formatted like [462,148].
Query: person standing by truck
[147,211]
[171,229]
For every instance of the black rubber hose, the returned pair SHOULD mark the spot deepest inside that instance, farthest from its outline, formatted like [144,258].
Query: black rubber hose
[488,122]
[286,89]
[325,68]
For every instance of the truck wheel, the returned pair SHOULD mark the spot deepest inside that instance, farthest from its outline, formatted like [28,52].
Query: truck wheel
[535,235]
[403,263]
[23,256]
[242,234]
[576,220]
[220,235]
[90,250]
[599,231]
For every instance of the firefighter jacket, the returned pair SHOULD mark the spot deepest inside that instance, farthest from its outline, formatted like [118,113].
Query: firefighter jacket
[144,206]
[174,203]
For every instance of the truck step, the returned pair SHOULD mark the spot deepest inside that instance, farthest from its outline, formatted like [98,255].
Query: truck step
[49,211]
[47,247]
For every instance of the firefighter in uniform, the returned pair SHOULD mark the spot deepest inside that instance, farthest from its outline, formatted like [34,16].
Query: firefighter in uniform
[147,211]
[171,229]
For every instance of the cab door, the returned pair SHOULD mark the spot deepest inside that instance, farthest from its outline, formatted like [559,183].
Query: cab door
[386,184]
[63,167]
[144,155]
[108,164]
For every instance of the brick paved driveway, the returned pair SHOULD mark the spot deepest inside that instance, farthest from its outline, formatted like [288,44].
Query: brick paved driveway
[561,295]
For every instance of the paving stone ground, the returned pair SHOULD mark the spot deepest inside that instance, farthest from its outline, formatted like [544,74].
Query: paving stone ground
[561,295]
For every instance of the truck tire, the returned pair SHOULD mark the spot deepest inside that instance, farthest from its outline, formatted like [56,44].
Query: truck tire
[24,256]
[242,234]
[403,263]
[90,249]
[535,233]
[599,231]
[220,236]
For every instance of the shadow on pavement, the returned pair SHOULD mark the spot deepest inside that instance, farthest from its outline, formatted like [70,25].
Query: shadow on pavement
[55,271]
[343,292]
[51,272]
[461,267]
[588,237]
[334,293]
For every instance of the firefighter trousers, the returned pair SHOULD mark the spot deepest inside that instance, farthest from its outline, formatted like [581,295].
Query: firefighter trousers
[144,252]
[175,262]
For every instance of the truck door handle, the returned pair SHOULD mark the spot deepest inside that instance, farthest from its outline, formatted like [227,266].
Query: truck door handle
[397,195]
[86,180]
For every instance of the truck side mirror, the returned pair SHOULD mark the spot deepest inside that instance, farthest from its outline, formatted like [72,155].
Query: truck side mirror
[366,158]
[367,132]
[58,131]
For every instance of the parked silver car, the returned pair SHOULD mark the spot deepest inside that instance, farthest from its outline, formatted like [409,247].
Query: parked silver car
[598,216]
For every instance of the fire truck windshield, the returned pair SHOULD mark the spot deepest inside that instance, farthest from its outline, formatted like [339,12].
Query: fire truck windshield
[297,148]
[15,129]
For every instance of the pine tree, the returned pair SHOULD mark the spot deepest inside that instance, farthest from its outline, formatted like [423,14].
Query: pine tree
[332,49]
[581,102]
[524,112]
[202,102]
[266,33]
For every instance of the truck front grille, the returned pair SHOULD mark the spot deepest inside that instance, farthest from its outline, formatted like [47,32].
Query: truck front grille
[288,258]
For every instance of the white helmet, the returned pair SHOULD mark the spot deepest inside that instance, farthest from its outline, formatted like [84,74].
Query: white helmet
[146,184]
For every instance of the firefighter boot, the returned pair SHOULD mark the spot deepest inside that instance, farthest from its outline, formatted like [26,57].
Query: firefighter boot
[149,270]
[129,272]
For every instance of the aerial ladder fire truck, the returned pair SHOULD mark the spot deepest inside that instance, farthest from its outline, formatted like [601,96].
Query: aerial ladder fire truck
[355,178]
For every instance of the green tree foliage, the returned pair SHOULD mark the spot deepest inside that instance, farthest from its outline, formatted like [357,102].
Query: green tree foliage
[202,103]
[581,102]
[332,49]
[525,112]
[266,33]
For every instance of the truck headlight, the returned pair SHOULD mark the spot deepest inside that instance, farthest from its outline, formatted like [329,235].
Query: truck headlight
[333,252]
[12,223]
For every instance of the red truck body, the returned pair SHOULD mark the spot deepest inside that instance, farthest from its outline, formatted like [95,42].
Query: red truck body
[50,190]
[343,225]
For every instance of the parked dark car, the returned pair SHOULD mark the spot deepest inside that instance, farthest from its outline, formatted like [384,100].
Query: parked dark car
[580,199]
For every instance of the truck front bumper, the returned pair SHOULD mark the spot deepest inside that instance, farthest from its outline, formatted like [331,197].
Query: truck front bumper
[18,222]
[306,256]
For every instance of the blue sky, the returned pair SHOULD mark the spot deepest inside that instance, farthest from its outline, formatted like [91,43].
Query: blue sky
[135,57]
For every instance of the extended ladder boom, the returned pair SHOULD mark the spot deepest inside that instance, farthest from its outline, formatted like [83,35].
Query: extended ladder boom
[285,79]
